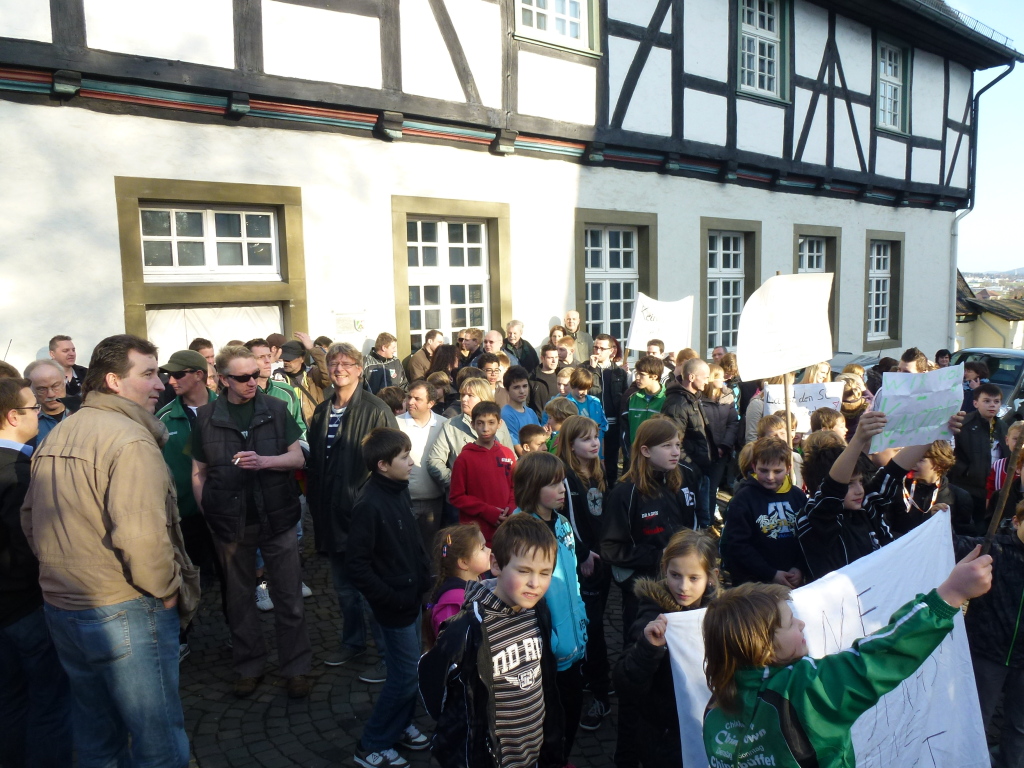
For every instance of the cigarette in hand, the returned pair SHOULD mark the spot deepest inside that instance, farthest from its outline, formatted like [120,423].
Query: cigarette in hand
[237,459]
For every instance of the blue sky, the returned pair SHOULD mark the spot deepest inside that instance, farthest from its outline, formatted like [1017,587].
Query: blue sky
[984,244]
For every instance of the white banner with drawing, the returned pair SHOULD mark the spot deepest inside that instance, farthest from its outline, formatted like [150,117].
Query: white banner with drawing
[670,321]
[918,406]
[933,720]
[804,399]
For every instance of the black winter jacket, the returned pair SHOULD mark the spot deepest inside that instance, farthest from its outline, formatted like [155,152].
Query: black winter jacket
[609,385]
[456,677]
[974,455]
[386,560]
[903,517]
[995,621]
[543,386]
[526,354]
[724,423]
[760,533]
[698,443]
[334,480]
[380,372]
[832,537]
[19,570]
[637,527]
[275,493]
[584,508]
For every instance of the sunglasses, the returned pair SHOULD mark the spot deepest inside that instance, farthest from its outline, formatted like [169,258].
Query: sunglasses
[179,374]
[242,378]
[461,340]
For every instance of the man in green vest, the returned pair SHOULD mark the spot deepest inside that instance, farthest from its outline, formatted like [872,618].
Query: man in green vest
[187,370]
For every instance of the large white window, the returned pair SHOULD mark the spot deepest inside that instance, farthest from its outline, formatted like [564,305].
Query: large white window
[563,22]
[448,279]
[207,244]
[811,254]
[761,46]
[611,277]
[725,288]
[879,290]
[891,72]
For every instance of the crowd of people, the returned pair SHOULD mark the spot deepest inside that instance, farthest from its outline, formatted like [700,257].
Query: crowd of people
[496,492]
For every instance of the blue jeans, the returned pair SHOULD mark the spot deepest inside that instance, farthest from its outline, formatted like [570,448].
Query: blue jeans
[122,663]
[396,704]
[353,609]
[35,703]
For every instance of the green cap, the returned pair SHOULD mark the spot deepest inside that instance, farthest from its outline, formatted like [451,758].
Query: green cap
[185,360]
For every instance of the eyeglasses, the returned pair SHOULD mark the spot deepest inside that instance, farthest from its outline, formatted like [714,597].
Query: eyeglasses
[345,366]
[43,389]
[242,378]
[178,374]
[461,340]
[600,348]
[35,408]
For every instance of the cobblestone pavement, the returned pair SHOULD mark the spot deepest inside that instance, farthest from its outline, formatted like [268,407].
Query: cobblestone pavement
[270,730]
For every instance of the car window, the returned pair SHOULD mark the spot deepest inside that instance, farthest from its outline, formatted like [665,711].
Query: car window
[1004,371]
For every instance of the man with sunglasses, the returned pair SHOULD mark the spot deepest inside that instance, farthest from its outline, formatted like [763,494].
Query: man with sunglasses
[186,371]
[245,448]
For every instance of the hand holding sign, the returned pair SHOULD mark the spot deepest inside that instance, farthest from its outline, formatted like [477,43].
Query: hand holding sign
[918,407]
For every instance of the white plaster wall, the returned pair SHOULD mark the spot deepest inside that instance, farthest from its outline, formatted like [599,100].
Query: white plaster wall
[959,91]
[560,90]
[620,55]
[26,20]
[427,68]
[200,31]
[817,137]
[317,44]
[862,115]
[853,41]
[59,202]
[891,159]
[704,117]
[845,147]
[638,12]
[650,109]
[924,165]
[706,38]
[759,127]
[810,33]
[960,169]
[478,26]
[926,92]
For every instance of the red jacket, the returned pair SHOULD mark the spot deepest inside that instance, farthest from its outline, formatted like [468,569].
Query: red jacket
[481,486]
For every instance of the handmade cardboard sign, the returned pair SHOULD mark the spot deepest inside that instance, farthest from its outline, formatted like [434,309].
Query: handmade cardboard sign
[932,719]
[805,398]
[670,321]
[918,406]
[785,326]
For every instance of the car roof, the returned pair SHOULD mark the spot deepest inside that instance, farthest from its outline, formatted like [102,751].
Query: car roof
[993,351]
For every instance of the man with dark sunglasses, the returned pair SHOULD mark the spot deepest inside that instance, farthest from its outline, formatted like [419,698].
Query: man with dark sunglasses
[186,371]
[245,448]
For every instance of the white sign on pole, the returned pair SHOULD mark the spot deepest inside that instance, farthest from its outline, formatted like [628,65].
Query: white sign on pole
[670,321]
[932,719]
[785,326]
[918,406]
[805,399]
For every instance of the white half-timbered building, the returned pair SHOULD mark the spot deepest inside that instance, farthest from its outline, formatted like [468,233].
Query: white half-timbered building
[220,168]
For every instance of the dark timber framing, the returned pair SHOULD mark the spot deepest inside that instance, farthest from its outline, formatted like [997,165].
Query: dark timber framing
[289,292]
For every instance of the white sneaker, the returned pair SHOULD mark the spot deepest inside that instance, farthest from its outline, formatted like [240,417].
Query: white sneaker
[411,738]
[306,591]
[386,758]
[263,601]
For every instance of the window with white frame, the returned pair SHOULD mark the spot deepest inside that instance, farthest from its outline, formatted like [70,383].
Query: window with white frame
[208,244]
[879,290]
[761,46]
[562,22]
[448,277]
[725,278]
[612,278]
[811,254]
[891,85]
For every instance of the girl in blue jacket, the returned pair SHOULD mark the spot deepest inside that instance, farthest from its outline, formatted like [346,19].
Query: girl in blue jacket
[539,490]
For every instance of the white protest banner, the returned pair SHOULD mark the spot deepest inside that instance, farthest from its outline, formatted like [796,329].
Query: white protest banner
[670,321]
[933,719]
[918,406]
[804,399]
[785,326]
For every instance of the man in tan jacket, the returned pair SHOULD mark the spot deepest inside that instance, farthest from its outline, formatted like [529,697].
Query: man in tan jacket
[101,517]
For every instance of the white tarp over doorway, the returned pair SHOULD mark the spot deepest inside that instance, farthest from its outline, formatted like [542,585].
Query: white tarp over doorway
[172,328]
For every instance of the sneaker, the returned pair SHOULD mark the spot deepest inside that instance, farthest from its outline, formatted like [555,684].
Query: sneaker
[298,687]
[386,758]
[263,601]
[378,673]
[592,718]
[306,591]
[183,652]
[344,656]
[411,738]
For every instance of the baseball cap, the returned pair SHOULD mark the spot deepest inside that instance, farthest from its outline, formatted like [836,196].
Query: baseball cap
[185,360]
[292,350]
[277,340]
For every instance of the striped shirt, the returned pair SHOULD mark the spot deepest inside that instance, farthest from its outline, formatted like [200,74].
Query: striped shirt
[334,425]
[516,644]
